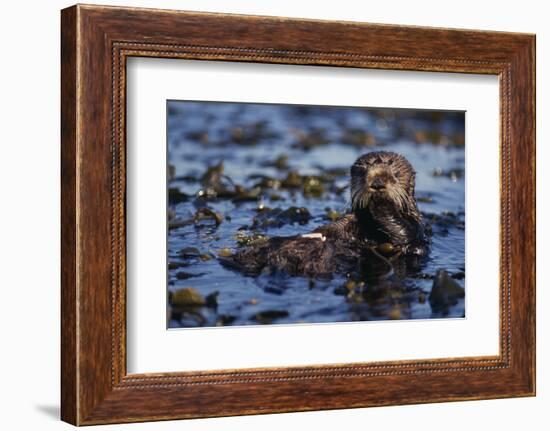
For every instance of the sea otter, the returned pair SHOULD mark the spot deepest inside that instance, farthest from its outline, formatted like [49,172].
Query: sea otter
[384,219]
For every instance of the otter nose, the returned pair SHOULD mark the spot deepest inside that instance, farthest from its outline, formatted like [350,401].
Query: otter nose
[377,184]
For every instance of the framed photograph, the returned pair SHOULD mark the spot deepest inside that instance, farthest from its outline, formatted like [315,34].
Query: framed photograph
[264,214]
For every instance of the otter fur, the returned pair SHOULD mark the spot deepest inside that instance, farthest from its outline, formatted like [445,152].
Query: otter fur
[383,214]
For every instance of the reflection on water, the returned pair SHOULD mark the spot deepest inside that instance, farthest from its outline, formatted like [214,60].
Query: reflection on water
[244,172]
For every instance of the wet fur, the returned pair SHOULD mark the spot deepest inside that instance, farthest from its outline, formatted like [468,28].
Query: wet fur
[383,210]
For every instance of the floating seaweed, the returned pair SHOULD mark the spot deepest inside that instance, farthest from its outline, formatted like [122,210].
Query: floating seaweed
[251,134]
[359,138]
[200,136]
[217,185]
[308,140]
[186,297]
[445,292]
[453,174]
[207,214]
[281,162]
[175,196]
[188,305]
[293,180]
[331,214]
[277,217]
[268,316]
[225,252]
[425,199]
[250,240]
[313,187]
[444,220]
[183,275]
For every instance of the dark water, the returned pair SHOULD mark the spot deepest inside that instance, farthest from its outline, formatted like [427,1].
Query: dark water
[247,145]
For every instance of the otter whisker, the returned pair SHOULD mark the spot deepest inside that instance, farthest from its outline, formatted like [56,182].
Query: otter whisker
[359,199]
[400,197]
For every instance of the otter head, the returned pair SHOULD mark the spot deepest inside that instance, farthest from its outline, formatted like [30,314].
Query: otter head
[382,176]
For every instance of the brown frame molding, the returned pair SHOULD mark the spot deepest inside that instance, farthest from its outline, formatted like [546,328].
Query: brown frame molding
[95,43]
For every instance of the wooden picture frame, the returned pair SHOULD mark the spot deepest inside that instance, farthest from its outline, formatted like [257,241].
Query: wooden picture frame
[95,43]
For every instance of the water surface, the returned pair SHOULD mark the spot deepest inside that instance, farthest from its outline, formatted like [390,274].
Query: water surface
[262,144]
